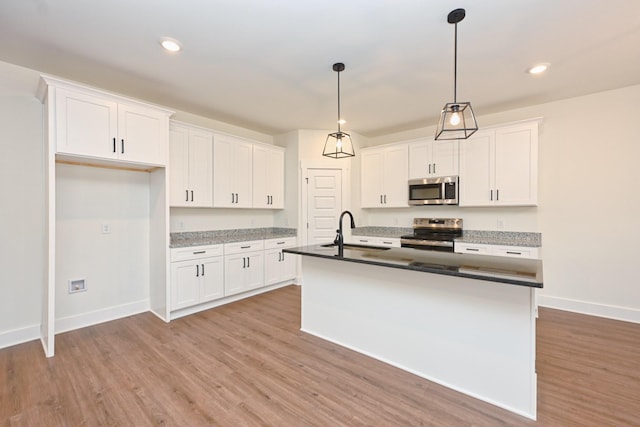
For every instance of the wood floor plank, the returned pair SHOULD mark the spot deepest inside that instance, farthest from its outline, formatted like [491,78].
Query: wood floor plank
[248,364]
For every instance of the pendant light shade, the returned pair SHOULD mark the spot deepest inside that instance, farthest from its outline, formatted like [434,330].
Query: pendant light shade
[338,144]
[457,120]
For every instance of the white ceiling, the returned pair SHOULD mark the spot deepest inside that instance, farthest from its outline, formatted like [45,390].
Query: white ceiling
[266,64]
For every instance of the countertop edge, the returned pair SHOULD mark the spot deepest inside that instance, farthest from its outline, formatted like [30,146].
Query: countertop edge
[484,277]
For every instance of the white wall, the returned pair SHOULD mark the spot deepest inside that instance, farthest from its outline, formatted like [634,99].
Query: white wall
[588,183]
[21,217]
[115,265]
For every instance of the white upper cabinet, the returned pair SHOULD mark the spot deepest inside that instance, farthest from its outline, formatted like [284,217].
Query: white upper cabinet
[102,126]
[232,172]
[429,158]
[384,172]
[268,177]
[499,166]
[191,160]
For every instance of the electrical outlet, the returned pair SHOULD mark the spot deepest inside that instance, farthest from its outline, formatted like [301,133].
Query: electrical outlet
[106,228]
[77,285]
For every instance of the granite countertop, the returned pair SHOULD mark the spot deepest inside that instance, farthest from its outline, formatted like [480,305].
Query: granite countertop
[514,271]
[505,238]
[215,237]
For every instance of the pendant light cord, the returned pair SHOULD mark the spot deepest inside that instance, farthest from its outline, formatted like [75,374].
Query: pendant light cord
[455,63]
[338,101]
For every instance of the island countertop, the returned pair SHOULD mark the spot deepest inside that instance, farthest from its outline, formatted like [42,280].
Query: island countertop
[522,272]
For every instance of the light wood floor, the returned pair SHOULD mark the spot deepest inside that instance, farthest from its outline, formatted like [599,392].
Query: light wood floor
[248,364]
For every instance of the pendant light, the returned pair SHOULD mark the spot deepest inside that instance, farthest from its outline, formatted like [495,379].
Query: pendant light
[338,144]
[457,120]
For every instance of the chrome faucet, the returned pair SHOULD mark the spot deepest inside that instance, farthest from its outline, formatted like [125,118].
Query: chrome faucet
[339,240]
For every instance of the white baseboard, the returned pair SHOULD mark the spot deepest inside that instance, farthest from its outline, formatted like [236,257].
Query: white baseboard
[78,321]
[601,310]
[222,301]
[19,336]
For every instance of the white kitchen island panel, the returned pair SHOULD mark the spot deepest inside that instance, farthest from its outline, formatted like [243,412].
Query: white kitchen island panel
[474,336]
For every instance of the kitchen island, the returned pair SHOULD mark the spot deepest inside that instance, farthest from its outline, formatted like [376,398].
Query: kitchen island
[464,321]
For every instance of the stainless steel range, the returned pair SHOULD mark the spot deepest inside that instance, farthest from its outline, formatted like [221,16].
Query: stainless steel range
[433,234]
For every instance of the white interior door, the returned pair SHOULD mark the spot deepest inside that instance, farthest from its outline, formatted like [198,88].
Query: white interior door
[324,204]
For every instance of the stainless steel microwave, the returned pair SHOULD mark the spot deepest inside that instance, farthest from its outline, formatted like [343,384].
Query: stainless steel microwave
[434,191]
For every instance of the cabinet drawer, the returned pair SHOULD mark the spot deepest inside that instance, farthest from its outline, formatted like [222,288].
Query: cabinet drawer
[195,252]
[516,251]
[467,248]
[286,242]
[239,247]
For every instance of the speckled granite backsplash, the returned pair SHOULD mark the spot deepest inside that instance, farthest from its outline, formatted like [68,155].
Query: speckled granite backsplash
[214,237]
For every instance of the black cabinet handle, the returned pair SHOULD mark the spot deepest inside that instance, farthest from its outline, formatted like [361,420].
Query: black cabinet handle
[197,270]
[122,145]
[281,243]
[187,199]
[514,253]
[192,195]
[114,145]
[244,262]
[202,269]
[381,199]
[279,256]
[434,168]
[282,255]
[472,249]
[491,196]
[245,247]
[248,262]
[497,194]
[199,252]
[429,167]
[385,199]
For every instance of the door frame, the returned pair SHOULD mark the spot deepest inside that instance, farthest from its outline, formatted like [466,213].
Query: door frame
[345,183]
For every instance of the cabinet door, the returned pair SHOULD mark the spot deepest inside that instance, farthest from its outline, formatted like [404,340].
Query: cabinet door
[275,179]
[371,183]
[287,267]
[86,125]
[185,288]
[211,279]
[201,168]
[516,165]
[243,171]
[141,135]
[419,159]
[232,172]
[255,271]
[234,273]
[395,176]
[476,170]
[444,158]
[272,260]
[179,166]
[223,172]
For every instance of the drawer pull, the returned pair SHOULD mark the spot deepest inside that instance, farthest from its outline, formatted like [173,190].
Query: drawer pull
[281,243]
[472,249]
[245,247]
[202,269]
[514,253]
[197,270]
[199,252]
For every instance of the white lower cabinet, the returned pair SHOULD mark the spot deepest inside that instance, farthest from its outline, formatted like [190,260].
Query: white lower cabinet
[497,250]
[243,266]
[278,266]
[197,275]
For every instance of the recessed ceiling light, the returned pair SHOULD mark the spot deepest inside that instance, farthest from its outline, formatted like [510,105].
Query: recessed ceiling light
[171,45]
[538,68]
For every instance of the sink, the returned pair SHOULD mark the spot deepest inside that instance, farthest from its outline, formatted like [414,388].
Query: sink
[353,247]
